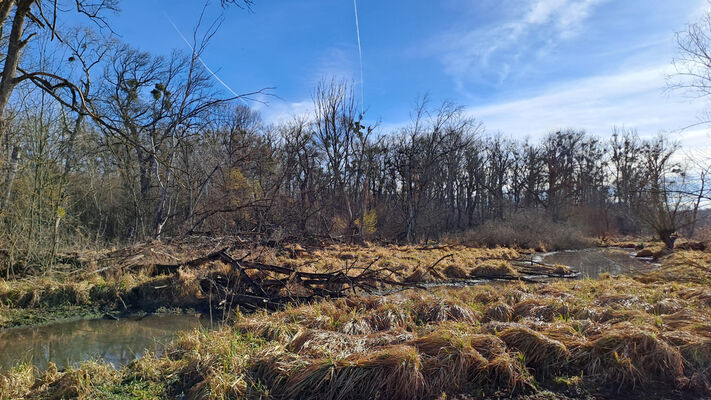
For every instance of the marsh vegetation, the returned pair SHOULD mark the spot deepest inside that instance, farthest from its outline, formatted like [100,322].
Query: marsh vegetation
[327,255]
[613,336]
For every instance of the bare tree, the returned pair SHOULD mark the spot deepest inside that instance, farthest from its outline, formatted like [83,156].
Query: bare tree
[30,17]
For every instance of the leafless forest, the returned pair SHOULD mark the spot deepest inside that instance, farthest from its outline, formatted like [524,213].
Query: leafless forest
[331,254]
[103,143]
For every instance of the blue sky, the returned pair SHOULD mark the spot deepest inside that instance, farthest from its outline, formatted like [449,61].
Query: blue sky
[523,67]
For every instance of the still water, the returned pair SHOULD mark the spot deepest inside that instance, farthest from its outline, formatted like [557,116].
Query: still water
[595,261]
[68,343]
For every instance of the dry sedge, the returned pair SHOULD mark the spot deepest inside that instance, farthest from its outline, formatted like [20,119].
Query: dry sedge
[615,333]
[450,363]
[541,352]
[392,373]
[454,271]
[499,312]
[559,269]
[494,269]
[631,356]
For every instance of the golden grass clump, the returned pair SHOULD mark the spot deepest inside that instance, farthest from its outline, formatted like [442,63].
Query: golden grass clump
[449,362]
[685,318]
[541,309]
[571,334]
[628,356]
[681,266]
[317,343]
[78,382]
[421,274]
[499,312]
[488,346]
[443,310]
[667,306]
[560,269]
[540,351]
[507,371]
[16,383]
[700,294]
[455,271]
[219,385]
[188,285]
[391,373]
[357,326]
[277,331]
[695,349]
[389,316]
[493,269]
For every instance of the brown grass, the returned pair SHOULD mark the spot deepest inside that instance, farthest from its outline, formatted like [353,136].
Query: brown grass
[454,271]
[494,269]
[395,373]
[618,333]
[499,312]
[631,356]
[541,352]
[559,269]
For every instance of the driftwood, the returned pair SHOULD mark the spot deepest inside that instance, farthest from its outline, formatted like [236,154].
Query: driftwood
[276,285]
[269,292]
[526,267]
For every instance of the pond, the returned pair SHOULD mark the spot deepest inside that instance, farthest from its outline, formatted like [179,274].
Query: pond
[115,341]
[595,261]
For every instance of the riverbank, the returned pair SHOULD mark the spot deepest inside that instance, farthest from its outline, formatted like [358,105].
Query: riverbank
[615,337]
[611,337]
[186,276]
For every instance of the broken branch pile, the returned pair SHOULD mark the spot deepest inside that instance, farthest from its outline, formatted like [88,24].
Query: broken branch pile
[254,284]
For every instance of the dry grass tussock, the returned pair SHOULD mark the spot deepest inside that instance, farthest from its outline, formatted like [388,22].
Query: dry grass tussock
[616,334]
[683,266]
[493,269]
[405,263]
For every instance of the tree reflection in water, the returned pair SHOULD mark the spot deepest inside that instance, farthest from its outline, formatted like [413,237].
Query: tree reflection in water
[116,342]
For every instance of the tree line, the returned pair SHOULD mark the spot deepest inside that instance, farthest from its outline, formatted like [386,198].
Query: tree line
[108,144]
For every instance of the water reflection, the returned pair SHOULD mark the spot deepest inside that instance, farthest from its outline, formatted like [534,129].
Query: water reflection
[593,262]
[68,343]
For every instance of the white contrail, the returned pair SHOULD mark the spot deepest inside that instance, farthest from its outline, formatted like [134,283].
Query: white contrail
[360,56]
[214,75]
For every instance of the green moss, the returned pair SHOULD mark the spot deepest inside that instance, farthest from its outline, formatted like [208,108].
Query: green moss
[12,317]
[132,389]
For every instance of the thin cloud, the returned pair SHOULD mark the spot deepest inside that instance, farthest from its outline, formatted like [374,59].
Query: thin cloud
[490,52]
[633,98]
[279,111]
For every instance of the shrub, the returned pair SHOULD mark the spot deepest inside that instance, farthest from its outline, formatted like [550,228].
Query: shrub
[530,230]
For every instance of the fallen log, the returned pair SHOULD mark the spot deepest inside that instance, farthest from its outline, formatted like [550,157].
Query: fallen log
[279,285]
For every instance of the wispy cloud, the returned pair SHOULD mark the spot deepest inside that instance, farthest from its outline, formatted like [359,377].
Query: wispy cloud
[337,63]
[276,111]
[633,98]
[490,52]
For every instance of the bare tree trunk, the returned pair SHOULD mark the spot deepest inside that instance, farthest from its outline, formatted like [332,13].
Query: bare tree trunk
[5,7]
[11,173]
[14,48]
[410,216]
[692,228]
[364,207]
